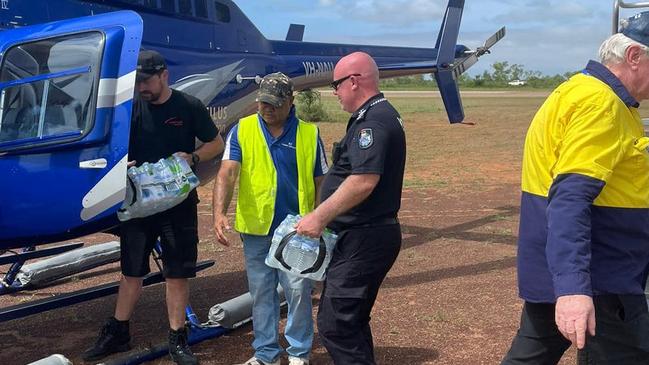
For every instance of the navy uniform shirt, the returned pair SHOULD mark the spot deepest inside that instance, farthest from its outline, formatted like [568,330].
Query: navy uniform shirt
[375,143]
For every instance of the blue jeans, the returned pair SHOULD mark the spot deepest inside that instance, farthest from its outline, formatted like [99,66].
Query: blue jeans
[262,283]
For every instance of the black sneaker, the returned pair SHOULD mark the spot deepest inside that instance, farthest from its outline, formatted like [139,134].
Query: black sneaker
[114,337]
[179,349]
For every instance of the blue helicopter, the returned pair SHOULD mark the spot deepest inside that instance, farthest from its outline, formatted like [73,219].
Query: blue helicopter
[67,77]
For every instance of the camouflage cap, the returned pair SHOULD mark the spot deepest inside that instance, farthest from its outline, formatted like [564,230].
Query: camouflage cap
[275,89]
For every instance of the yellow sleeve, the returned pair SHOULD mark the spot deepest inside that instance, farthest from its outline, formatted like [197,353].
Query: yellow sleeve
[591,143]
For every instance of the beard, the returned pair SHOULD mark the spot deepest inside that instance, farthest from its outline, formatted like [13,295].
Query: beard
[149,96]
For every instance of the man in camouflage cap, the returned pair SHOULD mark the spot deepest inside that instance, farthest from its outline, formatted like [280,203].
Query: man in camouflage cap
[275,89]
[272,153]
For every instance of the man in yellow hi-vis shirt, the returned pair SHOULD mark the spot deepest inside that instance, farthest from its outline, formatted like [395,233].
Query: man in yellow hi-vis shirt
[280,163]
[583,249]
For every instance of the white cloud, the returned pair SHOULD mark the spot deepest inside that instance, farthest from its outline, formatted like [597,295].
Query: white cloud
[388,12]
[552,36]
[550,49]
[547,12]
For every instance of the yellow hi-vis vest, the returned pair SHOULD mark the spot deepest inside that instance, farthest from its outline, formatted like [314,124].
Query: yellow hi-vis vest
[258,177]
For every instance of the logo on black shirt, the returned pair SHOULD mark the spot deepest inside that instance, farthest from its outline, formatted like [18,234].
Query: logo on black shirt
[174,122]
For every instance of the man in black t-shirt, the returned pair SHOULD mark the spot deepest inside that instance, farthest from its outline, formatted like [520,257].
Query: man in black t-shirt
[164,122]
[361,196]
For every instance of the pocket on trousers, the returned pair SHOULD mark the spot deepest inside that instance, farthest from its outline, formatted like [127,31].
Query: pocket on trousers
[350,293]
[346,286]
[633,308]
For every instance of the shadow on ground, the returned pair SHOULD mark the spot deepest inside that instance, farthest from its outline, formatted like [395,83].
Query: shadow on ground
[448,273]
[422,235]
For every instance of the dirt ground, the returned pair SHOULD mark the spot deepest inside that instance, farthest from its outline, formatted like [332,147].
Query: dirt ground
[450,298]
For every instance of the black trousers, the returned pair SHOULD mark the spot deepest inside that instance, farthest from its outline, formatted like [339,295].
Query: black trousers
[361,259]
[621,334]
[178,231]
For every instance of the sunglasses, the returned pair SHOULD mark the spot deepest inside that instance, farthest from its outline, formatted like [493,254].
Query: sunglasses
[336,83]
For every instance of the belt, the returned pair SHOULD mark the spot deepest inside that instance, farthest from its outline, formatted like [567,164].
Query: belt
[374,223]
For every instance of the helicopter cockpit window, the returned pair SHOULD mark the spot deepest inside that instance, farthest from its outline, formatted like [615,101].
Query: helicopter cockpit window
[46,90]
[201,8]
[168,5]
[151,3]
[185,7]
[222,12]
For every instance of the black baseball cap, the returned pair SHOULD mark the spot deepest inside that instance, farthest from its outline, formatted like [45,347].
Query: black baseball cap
[637,28]
[149,63]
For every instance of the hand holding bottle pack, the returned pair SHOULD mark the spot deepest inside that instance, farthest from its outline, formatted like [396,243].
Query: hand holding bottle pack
[301,256]
[154,188]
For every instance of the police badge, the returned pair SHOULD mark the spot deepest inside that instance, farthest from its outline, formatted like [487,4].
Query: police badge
[365,138]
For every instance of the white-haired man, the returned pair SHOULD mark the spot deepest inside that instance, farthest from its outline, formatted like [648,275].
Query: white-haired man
[583,249]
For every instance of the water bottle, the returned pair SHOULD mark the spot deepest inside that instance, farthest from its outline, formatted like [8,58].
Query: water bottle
[284,228]
[301,253]
[147,169]
[165,178]
[193,180]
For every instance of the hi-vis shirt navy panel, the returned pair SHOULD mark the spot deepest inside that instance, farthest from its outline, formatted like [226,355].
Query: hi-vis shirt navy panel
[375,143]
[584,225]
[605,75]
[283,153]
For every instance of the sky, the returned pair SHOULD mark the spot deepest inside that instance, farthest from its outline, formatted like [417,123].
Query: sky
[550,36]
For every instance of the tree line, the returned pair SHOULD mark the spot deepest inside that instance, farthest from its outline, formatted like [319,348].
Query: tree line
[499,76]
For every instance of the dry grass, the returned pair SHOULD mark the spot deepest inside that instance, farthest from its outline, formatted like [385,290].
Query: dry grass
[455,158]
[450,297]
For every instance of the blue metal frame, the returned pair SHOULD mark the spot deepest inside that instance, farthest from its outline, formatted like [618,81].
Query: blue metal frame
[160,350]
[7,284]
[63,300]
[197,332]
[53,75]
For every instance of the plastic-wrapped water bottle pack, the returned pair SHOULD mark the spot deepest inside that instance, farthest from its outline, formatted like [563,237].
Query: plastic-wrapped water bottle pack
[156,187]
[302,256]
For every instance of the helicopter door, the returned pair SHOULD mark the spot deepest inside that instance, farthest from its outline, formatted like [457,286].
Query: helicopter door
[66,91]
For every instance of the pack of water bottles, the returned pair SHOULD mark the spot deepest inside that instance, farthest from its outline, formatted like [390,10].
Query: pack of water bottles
[299,255]
[155,187]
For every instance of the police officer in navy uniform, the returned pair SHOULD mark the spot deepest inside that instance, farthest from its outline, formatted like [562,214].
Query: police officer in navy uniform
[361,196]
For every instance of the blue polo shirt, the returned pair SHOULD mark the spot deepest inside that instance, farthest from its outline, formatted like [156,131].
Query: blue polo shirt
[283,152]
[584,225]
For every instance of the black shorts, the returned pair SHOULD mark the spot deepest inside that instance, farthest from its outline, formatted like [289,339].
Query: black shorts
[178,232]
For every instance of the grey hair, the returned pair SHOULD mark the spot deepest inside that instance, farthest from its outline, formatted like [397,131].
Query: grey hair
[612,50]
